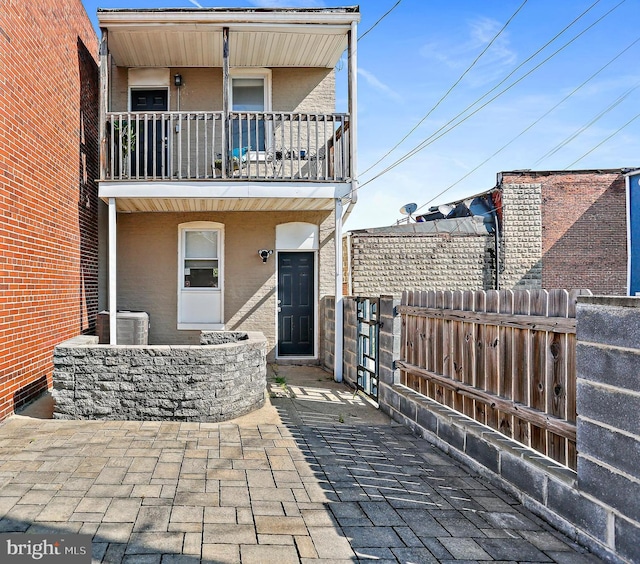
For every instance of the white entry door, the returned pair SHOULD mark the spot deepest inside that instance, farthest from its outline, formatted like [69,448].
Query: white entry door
[200,284]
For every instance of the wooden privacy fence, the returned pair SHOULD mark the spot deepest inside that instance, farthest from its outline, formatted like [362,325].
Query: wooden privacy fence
[504,358]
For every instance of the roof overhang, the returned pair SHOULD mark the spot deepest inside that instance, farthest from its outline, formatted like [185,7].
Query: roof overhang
[131,197]
[257,37]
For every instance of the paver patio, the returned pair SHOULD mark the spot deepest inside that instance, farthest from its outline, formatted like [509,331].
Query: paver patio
[318,475]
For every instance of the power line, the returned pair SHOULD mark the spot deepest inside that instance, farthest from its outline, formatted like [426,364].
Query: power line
[443,131]
[584,83]
[381,18]
[502,81]
[603,141]
[582,129]
[495,37]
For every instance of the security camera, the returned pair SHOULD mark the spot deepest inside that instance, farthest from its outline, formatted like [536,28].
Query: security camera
[264,254]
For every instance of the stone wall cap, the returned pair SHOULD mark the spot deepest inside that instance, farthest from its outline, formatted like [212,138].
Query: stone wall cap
[612,301]
[79,341]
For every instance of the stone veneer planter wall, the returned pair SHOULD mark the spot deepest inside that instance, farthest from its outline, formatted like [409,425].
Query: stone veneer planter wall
[222,378]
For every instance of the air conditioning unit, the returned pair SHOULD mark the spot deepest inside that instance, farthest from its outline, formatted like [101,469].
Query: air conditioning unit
[132,327]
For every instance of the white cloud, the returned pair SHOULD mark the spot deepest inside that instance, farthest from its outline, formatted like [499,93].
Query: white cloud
[379,85]
[458,55]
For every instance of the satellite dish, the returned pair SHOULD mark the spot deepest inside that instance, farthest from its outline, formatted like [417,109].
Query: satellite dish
[408,209]
[445,209]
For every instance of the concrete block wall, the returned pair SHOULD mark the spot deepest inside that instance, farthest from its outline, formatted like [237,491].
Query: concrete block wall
[540,484]
[389,263]
[350,347]
[48,193]
[608,401]
[215,381]
[521,241]
[598,504]
[327,332]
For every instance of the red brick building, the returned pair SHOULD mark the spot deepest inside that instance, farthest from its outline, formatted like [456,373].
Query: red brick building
[48,193]
[557,229]
[584,227]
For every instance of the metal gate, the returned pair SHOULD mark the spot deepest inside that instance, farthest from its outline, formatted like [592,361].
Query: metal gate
[368,315]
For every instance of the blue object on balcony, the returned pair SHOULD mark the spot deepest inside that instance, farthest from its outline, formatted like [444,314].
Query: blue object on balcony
[239,152]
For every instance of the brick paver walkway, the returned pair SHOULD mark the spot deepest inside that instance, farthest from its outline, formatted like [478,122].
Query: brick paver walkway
[319,477]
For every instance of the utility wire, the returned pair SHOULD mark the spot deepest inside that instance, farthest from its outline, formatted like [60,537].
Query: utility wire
[582,129]
[381,18]
[603,141]
[500,83]
[443,131]
[584,83]
[495,37]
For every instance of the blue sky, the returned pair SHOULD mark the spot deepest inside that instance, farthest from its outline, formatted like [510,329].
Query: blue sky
[548,120]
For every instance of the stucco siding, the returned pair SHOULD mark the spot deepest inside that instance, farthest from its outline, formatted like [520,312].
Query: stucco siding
[293,89]
[147,264]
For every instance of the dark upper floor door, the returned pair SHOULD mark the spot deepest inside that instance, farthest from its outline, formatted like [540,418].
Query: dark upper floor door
[151,155]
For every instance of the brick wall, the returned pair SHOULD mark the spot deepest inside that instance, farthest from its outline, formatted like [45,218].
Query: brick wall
[48,197]
[584,231]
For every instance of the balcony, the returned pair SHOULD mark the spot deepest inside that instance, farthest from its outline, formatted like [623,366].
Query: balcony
[246,146]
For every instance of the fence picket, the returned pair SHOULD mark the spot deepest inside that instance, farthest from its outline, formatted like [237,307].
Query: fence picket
[404,338]
[521,305]
[538,374]
[447,353]
[481,355]
[478,353]
[469,352]
[557,373]
[492,355]
[506,357]
[457,349]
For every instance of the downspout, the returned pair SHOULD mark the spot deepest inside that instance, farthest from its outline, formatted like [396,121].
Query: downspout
[103,102]
[353,117]
[339,320]
[104,167]
[496,225]
[339,216]
[226,150]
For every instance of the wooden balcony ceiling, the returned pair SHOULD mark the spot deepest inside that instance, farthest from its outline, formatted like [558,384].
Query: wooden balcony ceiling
[132,205]
[257,38]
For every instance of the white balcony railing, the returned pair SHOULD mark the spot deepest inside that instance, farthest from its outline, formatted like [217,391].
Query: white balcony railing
[181,146]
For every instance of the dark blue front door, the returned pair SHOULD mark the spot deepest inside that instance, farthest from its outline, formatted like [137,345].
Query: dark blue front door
[151,145]
[296,304]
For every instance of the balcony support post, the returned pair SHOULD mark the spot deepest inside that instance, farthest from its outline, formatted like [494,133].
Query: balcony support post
[113,301]
[339,330]
[353,101]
